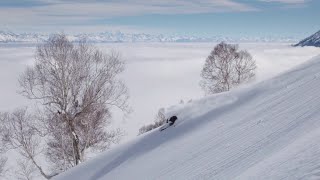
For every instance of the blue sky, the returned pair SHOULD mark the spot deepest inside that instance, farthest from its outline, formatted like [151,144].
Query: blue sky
[185,17]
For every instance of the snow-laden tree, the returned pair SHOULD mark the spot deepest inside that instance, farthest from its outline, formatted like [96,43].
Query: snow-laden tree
[77,85]
[226,67]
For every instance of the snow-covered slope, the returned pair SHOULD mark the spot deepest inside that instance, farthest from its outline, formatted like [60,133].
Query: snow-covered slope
[8,36]
[267,131]
[313,40]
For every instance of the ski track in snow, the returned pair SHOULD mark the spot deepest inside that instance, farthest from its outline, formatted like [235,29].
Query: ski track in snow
[269,131]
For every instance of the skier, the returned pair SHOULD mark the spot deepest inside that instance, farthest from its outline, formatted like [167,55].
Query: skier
[172,120]
[169,123]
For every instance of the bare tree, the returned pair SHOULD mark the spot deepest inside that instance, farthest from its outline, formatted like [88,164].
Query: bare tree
[77,85]
[20,133]
[3,145]
[225,68]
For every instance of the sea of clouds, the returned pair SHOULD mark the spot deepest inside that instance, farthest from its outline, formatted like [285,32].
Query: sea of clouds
[157,74]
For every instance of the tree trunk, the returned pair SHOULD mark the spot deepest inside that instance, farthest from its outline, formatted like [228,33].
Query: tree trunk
[76,148]
[75,143]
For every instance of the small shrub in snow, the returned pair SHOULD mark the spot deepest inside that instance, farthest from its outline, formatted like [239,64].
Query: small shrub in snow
[160,119]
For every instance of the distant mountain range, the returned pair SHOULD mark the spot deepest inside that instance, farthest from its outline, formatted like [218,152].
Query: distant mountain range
[313,40]
[8,36]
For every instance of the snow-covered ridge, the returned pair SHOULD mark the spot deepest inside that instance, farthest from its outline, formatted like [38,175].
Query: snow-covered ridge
[7,36]
[313,40]
[266,131]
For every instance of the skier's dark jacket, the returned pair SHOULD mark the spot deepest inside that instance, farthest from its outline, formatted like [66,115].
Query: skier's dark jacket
[172,120]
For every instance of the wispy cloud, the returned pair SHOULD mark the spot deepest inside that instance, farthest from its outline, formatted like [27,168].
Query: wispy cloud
[71,12]
[287,1]
[289,4]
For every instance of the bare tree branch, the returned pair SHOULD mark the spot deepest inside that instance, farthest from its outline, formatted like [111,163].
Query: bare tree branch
[3,161]
[20,133]
[3,144]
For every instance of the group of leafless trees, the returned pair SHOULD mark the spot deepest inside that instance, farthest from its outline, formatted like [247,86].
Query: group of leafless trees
[226,67]
[75,85]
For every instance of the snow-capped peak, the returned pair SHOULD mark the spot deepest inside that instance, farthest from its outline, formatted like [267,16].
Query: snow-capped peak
[118,36]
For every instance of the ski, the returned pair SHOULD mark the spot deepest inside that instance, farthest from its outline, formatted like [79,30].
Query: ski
[164,127]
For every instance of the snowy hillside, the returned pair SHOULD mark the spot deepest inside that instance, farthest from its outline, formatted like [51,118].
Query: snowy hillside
[7,36]
[267,131]
[313,40]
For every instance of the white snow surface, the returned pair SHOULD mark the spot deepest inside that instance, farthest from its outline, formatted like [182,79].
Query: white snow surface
[267,131]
